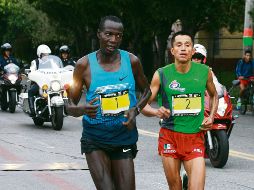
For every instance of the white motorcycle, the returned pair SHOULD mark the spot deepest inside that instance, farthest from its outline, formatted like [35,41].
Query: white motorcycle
[53,80]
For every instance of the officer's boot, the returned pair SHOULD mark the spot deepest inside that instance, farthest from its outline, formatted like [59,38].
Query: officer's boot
[31,106]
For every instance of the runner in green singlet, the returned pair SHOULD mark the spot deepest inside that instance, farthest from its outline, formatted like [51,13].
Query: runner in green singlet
[180,88]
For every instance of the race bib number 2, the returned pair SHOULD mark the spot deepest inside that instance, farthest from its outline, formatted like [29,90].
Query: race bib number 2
[186,104]
[115,103]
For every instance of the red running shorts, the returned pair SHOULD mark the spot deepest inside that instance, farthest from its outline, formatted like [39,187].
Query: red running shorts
[181,146]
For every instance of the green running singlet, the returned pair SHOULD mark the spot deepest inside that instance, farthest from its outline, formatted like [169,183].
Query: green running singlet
[183,94]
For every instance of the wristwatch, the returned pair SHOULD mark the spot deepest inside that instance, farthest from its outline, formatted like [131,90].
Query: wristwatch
[138,110]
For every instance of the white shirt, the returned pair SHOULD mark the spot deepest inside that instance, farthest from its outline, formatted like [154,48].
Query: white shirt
[33,66]
[218,86]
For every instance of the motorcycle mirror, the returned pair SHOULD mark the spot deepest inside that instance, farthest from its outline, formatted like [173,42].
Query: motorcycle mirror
[235,82]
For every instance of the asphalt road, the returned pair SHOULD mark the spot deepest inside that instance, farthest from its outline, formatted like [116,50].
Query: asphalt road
[39,158]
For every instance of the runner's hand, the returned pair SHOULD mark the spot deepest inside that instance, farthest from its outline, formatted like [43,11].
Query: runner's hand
[163,113]
[131,116]
[206,124]
[89,109]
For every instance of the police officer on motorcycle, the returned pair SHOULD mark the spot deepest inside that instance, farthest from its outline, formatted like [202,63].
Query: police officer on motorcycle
[65,56]
[6,57]
[42,50]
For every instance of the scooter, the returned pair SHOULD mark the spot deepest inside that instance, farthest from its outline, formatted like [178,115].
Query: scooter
[217,144]
[216,140]
[10,87]
[248,96]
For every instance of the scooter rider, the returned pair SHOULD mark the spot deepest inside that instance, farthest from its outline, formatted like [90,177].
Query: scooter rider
[244,73]
[42,50]
[65,56]
[200,56]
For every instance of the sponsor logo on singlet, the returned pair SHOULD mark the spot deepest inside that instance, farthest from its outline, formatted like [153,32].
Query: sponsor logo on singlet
[174,85]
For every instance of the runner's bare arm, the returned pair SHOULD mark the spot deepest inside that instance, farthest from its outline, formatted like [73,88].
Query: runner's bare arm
[81,78]
[143,86]
[210,87]
[78,80]
[141,81]
[148,110]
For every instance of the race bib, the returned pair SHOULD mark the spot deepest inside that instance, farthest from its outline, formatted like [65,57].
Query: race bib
[115,103]
[186,104]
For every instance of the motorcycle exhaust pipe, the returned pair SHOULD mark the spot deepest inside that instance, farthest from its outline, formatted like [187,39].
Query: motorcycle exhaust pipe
[210,142]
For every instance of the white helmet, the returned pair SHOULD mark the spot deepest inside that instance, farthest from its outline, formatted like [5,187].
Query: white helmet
[43,49]
[6,46]
[65,49]
[200,49]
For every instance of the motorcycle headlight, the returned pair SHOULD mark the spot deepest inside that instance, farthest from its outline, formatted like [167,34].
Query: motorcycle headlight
[12,78]
[55,86]
[222,107]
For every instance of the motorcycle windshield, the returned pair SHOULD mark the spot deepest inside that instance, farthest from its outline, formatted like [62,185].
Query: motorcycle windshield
[11,68]
[50,62]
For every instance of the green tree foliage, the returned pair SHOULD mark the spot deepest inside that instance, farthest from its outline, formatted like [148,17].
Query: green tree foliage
[25,27]
[78,20]
[147,22]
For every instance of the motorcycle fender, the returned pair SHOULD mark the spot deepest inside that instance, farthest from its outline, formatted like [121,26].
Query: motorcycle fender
[57,101]
[219,126]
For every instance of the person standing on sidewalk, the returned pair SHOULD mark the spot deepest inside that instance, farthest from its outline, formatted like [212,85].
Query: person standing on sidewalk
[181,88]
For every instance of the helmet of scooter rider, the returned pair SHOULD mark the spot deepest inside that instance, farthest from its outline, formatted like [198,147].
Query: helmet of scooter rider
[43,49]
[200,53]
[64,49]
[6,47]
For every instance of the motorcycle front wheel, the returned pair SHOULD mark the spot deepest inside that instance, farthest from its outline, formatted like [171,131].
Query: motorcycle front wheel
[57,118]
[219,154]
[4,103]
[38,121]
[252,104]
[12,101]
[185,182]
[243,109]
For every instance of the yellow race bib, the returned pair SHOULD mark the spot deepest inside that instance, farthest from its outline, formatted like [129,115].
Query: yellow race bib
[115,103]
[186,104]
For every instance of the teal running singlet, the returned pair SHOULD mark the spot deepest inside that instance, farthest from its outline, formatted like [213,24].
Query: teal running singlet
[116,92]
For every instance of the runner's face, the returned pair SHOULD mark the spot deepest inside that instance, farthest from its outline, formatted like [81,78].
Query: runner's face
[182,48]
[110,37]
